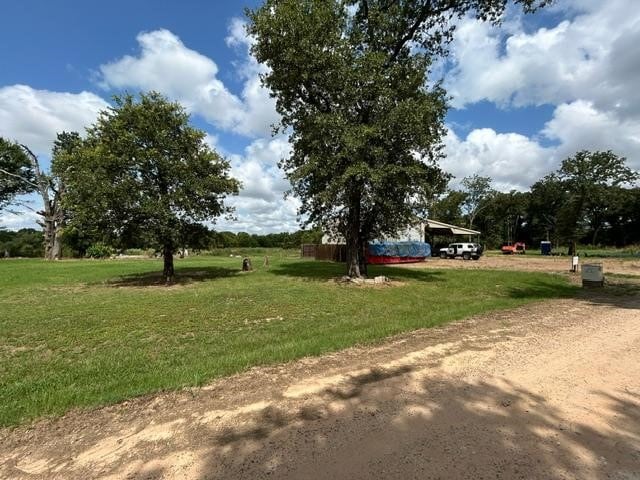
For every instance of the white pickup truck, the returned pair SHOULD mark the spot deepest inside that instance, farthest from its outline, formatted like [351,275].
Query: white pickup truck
[467,251]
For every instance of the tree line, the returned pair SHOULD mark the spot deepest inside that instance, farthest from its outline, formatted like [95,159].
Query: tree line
[27,242]
[592,199]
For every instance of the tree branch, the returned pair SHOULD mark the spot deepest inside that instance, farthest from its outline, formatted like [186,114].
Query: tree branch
[426,12]
[25,180]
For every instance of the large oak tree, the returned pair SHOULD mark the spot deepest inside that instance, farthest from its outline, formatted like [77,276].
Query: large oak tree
[144,175]
[350,80]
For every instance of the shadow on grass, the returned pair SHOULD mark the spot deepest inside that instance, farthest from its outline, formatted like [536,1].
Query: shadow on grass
[621,293]
[319,270]
[184,276]
[542,289]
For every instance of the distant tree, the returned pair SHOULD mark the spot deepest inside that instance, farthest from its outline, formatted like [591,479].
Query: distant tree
[548,197]
[448,208]
[588,177]
[244,240]
[144,175]
[478,194]
[225,239]
[349,79]
[26,242]
[621,217]
[509,212]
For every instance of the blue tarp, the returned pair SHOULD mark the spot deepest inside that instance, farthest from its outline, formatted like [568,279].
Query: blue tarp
[400,249]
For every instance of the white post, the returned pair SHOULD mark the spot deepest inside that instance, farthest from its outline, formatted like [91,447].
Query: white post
[574,263]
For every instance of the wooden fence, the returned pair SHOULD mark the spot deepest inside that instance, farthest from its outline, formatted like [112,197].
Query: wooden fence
[335,253]
[308,250]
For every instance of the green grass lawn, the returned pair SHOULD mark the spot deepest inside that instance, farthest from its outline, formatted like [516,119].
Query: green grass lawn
[85,333]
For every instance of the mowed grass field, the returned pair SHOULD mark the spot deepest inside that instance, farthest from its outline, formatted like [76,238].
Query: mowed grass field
[81,333]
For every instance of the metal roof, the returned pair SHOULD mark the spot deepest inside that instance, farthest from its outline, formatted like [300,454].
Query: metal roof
[442,228]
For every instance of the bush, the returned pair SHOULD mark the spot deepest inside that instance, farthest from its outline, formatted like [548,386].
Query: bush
[99,250]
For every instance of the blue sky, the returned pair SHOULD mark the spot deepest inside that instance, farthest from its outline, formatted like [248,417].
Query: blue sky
[524,96]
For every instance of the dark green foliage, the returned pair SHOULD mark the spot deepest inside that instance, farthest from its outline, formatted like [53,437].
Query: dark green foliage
[99,250]
[448,208]
[26,242]
[590,200]
[547,198]
[145,177]
[17,176]
[590,179]
[504,219]
[349,79]
[284,240]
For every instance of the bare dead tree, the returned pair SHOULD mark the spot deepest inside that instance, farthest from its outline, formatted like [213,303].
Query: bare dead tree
[52,213]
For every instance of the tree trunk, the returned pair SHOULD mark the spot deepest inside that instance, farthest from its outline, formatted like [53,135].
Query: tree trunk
[363,257]
[49,236]
[52,234]
[56,253]
[168,272]
[353,259]
[353,235]
[595,235]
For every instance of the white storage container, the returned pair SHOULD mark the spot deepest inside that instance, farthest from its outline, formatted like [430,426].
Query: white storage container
[592,275]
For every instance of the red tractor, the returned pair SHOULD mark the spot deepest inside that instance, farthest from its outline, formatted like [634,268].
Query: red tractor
[510,248]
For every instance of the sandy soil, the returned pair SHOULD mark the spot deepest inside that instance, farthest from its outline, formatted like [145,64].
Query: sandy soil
[550,390]
[533,263]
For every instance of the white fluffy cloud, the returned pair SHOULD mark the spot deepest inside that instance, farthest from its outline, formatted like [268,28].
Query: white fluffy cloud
[167,65]
[587,66]
[34,117]
[261,207]
[515,161]
[579,125]
[512,160]
[590,57]
[18,218]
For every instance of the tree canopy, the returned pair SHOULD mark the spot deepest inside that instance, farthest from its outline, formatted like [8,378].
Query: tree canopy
[478,194]
[350,79]
[589,178]
[145,175]
[17,176]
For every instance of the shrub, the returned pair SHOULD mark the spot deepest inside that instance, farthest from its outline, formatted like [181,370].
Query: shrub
[99,250]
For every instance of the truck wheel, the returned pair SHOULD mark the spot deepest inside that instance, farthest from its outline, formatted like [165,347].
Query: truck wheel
[443,255]
[476,258]
[466,256]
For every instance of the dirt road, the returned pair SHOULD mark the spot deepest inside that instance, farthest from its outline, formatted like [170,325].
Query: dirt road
[550,390]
